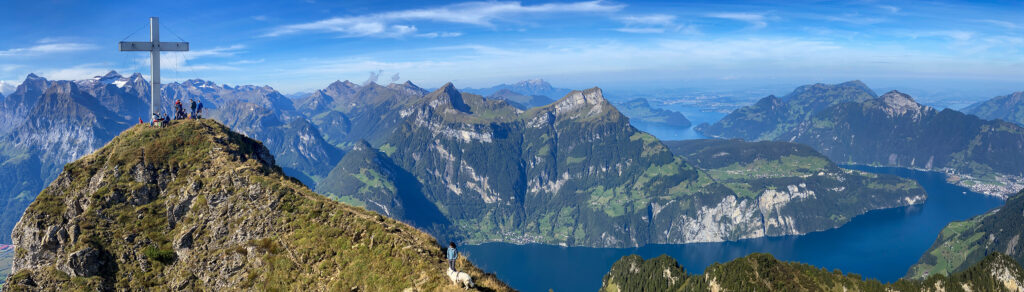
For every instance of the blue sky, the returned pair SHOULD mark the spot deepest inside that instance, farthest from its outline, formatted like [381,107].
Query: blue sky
[304,45]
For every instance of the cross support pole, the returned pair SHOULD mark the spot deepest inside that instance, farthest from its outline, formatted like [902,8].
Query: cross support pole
[154,46]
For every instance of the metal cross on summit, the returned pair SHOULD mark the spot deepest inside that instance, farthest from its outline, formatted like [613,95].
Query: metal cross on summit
[154,46]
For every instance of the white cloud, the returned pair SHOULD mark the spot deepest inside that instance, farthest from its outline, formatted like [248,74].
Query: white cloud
[8,86]
[439,34]
[653,19]
[472,13]
[48,48]
[653,23]
[756,20]
[673,60]
[259,17]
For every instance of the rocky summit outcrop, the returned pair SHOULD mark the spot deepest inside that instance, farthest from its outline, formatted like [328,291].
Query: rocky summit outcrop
[195,206]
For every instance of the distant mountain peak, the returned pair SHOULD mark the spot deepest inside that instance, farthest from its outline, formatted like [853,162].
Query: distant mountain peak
[448,95]
[575,100]
[342,84]
[111,74]
[361,145]
[535,84]
[895,102]
[33,76]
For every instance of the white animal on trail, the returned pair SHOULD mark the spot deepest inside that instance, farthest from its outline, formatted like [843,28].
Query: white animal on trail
[461,279]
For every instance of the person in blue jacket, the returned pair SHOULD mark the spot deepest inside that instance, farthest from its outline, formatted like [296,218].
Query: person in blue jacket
[452,255]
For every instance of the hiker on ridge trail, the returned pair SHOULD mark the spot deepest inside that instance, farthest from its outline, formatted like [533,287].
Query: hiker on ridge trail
[178,111]
[453,254]
[199,109]
[192,114]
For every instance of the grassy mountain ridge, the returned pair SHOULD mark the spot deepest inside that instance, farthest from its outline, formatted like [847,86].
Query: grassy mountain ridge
[762,272]
[961,244]
[1008,107]
[197,206]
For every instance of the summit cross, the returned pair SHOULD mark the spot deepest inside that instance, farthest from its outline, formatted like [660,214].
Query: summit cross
[154,46]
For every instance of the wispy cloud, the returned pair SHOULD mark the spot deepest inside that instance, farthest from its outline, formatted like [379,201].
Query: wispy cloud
[1002,23]
[653,23]
[439,34]
[246,62]
[390,24]
[48,48]
[957,35]
[890,8]
[855,18]
[77,72]
[185,61]
[756,20]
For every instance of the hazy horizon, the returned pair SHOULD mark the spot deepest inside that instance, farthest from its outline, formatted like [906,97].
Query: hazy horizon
[966,48]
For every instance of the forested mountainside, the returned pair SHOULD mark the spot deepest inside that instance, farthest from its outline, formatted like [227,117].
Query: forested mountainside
[849,125]
[762,272]
[576,173]
[1008,107]
[962,244]
[196,206]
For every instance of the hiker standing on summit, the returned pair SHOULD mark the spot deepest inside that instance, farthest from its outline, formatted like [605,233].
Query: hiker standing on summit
[453,254]
[192,112]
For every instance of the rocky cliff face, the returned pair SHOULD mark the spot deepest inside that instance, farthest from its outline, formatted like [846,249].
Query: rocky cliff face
[15,106]
[575,172]
[194,206]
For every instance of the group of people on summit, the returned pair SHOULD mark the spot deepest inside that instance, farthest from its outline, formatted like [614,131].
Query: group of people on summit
[195,112]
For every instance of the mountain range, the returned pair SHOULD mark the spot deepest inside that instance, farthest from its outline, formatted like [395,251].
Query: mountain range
[532,87]
[575,172]
[572,172]
[850,124]
[196,206]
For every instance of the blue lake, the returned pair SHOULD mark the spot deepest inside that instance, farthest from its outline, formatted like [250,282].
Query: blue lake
[880,244]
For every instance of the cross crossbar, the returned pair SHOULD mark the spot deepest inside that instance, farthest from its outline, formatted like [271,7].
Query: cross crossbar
[148,46]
